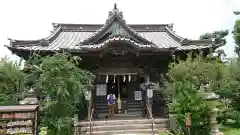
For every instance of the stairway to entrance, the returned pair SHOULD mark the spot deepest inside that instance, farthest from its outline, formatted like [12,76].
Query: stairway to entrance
[114,127]
[159,106]
[134,109]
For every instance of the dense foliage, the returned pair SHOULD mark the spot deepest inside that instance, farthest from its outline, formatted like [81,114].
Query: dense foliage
[187,82]
[11,81]
[229,88]
[217,36]
[63,83]
[236,35]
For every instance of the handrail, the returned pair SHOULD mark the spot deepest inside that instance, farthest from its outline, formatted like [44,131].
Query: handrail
[168,132]
[151,116]
[90,121]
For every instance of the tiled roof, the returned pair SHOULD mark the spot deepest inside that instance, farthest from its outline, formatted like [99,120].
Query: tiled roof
[80,37]
[70,39]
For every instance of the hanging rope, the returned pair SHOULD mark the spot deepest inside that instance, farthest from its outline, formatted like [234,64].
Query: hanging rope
[129,78]
[114,80]
[107,79]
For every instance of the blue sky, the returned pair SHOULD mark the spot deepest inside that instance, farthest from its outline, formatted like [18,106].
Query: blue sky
[32,19]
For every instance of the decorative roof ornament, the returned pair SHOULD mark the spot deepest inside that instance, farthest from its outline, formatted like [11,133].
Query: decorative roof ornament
[44,42]
[115,6]
[184,41]
[118,30]
[115,11]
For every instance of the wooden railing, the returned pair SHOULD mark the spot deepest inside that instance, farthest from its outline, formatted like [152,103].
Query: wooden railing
[90,121]
[168,132]
[151,117]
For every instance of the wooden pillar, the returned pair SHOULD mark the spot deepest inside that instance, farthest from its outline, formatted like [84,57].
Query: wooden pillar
[90,106]
[147,78]
[119,102]
[148,100]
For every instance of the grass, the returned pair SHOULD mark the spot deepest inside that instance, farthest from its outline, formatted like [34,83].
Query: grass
[162,133]
[230,129]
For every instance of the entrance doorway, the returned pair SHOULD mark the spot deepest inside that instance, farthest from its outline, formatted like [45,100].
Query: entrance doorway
[123,86]
[118,85]
[112,86]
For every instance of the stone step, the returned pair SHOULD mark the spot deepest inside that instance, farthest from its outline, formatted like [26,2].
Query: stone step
[122,122]
[122,116]
[123,127]
[134,105]
[106,107]
[116,132]
[129,104]
[130,101]
[129,110]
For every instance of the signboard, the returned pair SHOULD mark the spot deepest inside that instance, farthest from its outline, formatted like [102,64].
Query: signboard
[150,93]
[88,94]
[101,90]
[138,95]
[188,121]
[19,119]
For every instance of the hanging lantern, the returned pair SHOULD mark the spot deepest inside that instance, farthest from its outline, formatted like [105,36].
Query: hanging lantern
[129,78]
[114,79]
[124,78]
[107,79]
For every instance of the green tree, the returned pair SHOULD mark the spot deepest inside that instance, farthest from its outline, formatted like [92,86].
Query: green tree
[236,12]
[63,83]
[32,71]
[11,81]
[219,37]
[190,100]
[199,71]
[229,88]
[236,35]
[187,82]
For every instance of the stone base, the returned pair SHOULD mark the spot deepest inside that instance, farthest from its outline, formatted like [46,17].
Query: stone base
[218,133]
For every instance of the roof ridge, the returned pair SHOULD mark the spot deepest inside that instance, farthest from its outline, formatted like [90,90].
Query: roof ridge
[96,27]
[201,41]
[130,24]
[37,41]
[174,35]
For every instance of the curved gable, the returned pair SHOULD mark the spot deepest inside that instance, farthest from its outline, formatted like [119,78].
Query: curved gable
[115,26]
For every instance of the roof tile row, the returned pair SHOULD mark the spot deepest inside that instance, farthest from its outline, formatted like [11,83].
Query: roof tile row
[78,37]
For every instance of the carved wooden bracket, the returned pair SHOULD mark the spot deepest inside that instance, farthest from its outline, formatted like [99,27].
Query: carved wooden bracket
[119,51]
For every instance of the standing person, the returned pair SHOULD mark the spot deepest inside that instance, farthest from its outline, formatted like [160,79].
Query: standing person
[111,102]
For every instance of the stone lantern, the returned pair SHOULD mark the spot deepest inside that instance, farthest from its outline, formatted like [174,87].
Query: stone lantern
[212,98]
[30,99]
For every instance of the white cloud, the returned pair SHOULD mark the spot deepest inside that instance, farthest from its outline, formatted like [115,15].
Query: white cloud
[28,19]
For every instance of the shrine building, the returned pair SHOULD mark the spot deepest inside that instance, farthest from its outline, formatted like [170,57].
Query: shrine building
[128,60]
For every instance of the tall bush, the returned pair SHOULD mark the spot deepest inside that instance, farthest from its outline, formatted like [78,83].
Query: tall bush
[186,84]
[63,83]
[11,81]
